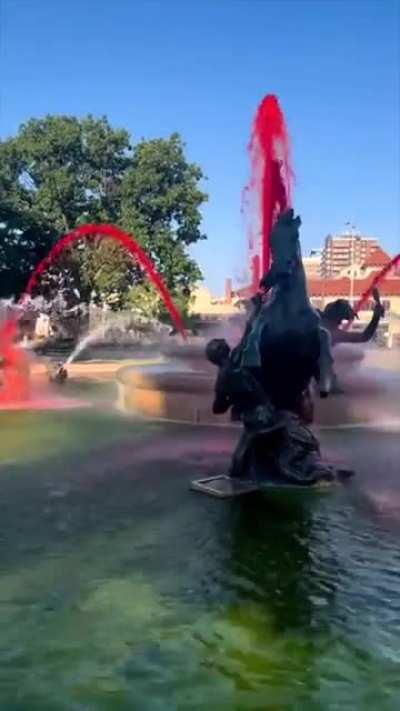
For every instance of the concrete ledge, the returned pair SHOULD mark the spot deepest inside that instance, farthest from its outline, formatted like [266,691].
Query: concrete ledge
[187,397]
[181,396]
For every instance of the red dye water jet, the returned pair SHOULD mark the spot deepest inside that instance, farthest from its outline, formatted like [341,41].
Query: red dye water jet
[365,297]
[128,243]
[376,281]
[269,191]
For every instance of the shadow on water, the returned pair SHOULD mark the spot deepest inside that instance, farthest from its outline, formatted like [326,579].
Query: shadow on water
[275,560]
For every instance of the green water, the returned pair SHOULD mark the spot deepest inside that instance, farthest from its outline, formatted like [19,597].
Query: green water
[120,589]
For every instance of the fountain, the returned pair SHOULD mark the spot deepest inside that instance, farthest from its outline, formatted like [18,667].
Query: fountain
[182,388]
[122,590]
[15,391]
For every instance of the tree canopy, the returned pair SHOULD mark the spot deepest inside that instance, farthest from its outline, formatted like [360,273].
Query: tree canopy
[62,171]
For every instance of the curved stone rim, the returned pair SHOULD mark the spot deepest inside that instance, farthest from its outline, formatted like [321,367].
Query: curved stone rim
[169,381]
[186,396]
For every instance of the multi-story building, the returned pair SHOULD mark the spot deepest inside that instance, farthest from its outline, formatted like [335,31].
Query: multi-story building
[343,251]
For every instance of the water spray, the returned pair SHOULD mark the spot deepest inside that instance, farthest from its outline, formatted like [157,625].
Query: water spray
[126,241]
[269,191]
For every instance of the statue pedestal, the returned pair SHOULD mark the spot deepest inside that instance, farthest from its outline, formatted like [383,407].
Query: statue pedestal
[223,487]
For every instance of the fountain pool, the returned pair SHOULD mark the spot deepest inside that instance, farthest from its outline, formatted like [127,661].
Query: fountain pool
[120,589]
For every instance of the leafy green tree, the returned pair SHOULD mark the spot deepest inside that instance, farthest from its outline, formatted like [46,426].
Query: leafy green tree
[65,168]
[61,171]
[23,242]
[105,269]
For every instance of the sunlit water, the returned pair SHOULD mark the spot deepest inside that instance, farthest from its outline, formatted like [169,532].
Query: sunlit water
[121,589]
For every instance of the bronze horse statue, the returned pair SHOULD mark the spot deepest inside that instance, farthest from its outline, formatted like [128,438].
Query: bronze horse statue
[266,378]
[287,343]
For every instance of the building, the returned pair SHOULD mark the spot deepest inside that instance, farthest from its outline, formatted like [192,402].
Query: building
[375,260]
[342,251]
[205,305]
[312,264]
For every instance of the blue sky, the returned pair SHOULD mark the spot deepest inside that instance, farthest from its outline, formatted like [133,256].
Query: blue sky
[200,67]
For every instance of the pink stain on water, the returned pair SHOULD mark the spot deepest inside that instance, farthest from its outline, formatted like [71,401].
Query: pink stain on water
[269,191]
[43,403]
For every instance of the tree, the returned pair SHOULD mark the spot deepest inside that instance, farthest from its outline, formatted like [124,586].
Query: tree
[61,171]
[23,242]
[105,270]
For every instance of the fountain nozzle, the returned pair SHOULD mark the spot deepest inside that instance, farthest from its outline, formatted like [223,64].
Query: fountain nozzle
[58,373]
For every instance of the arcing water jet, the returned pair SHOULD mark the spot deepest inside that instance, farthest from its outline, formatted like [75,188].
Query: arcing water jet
[128,243]
[15,364]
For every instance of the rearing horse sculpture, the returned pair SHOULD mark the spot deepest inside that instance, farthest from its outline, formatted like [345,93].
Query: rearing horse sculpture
[287,344]
[266,377]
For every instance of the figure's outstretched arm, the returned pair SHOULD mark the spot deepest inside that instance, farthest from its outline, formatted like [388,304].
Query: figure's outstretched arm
[368,332]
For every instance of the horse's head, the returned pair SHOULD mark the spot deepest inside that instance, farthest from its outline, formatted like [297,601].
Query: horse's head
[285,250]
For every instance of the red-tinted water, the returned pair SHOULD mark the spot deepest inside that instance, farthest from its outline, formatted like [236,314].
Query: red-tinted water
[269,190]
[15,366]
[40,403]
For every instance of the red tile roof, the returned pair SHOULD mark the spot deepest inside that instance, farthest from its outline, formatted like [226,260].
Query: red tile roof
[390,286]
[339,287]
[376,258]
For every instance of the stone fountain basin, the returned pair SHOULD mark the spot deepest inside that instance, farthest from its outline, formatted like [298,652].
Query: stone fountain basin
[182,390]
[188,356]
[183,396]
